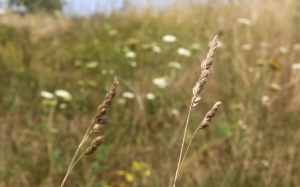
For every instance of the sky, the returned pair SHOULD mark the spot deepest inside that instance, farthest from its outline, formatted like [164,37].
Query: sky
[81,7]
[88,7]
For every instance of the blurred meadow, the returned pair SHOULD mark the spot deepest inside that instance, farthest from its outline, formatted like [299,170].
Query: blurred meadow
[55,70]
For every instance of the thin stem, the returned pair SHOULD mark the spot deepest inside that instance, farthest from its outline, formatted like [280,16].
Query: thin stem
[70,169]
[187,149]
[49,143]
[79,146]
[183,140]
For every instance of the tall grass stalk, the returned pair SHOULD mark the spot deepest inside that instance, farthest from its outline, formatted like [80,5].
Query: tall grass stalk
[205,65]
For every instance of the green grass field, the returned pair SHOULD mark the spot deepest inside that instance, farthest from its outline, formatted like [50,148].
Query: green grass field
[253,141]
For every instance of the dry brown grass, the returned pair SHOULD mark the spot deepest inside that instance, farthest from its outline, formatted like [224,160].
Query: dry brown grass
[205,65]
[100,119]
[38,25]
[250,143]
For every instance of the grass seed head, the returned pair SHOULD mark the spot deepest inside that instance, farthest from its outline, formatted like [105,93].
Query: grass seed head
[94,145]
[102,109]
[210,114]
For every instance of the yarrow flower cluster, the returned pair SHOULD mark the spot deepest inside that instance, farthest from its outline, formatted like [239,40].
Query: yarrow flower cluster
[161,82]
[184,52]
[169,38]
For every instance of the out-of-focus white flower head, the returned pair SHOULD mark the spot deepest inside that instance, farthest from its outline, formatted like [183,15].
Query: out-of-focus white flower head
[251,69]
[176,65]
[2,11]
[174,111]
[156,49]
[63,94]
[265,100]
[150,96]
[128,95]
[46,95]
[296,66]
[130,54]
[169,38]
[91,65]
[184,52]
[63,106]
[297,46]
[283,49]
[244,21]
[133,63]
[161,82]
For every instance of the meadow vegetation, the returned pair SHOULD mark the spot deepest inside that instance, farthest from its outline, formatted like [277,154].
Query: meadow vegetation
[55,71]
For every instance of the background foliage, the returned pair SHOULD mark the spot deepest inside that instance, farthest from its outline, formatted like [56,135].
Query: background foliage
[253,140]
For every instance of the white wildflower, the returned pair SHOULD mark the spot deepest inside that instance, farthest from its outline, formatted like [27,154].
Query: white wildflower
[47,95]
[169,38]
[184,52]
[265,163]
[130,54]
[156,49]
[63,94]
[104,71]
[265,100]
[128,95]
[174,111]
[2,11]
[247,46]
[283,49]
[91,65]
[133,63]
[62,105]
[150,96]
[251,69]
[244,21]
[161,82]
[296,66]
[176,65]
[297,46]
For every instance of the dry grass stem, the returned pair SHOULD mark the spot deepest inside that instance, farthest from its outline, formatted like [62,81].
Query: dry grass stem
[94,128]
[205,65]
[205,122]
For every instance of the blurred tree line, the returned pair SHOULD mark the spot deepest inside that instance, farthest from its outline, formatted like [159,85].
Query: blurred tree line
[38,5]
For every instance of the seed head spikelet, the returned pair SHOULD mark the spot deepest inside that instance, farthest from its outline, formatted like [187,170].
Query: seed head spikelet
[205,65]
[210,55]
[210,114]
[102,109]
[94,145]
[99,125]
